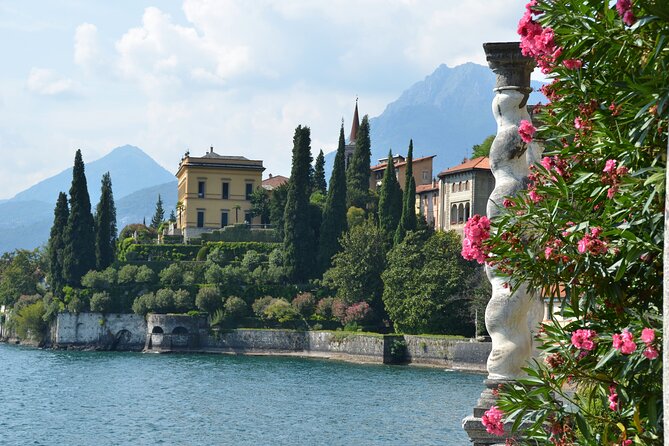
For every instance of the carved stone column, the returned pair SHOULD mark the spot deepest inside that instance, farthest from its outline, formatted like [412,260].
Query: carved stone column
[510,317]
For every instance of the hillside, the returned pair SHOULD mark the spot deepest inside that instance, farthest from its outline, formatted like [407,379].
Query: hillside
[136,179]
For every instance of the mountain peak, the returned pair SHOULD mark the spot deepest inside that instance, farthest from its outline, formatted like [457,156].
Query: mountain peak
[130,167]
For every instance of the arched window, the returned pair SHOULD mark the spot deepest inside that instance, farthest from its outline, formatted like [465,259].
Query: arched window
[467,185]
[452,187]
[461,214]
[454,214]
[467,211]
[157,330]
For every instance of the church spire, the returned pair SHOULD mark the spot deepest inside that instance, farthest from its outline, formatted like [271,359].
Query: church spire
[355,124]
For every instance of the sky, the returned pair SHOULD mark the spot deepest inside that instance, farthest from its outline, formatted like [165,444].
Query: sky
[170,76]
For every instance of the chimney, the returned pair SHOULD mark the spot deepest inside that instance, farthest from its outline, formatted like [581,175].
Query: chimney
[211,149]
[270,175]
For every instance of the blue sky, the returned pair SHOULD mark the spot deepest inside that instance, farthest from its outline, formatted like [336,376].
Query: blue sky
[170,76]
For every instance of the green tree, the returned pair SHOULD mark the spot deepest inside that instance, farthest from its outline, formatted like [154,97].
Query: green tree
[408,219]
[357,174]
[277,208]
[356,269]
[390,200]
[57,244]
[483,149]
[260,204]
[79,249]
[158,215]
[105,225]
[427,284]
[20,274]
[298,234]
[319,174]
[334,215]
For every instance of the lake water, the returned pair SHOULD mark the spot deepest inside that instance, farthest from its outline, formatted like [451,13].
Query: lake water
[85,398]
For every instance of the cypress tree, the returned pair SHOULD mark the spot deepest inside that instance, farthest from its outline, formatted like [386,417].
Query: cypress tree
[319,174]
[79,249]
[159,215]
[334,216]
[408,218]
[105,225]
[357,174]
[298,237]
[56,244]
[390,200]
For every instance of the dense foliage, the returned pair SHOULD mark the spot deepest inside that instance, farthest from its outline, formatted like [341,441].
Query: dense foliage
[589,231]
[79,236]
[357,173]
[390,200]
[408,218]
[427,284]
[105,225]
[319,174]
[299,241]
[57,244]
[334,214]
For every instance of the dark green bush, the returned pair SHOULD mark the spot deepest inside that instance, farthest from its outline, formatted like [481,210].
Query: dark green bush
[101,302]
[208,299]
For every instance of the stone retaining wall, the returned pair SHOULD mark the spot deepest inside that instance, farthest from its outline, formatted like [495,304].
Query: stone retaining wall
[98,331]
[163,333]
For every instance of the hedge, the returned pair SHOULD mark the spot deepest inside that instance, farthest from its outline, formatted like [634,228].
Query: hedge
[171,253]
[241,233]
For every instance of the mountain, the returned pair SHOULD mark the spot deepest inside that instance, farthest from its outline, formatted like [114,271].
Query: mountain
[131,170]
[446,114]
[137,180]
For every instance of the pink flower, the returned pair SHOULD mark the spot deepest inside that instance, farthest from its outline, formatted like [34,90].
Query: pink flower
[507,203]
[584,339]
[526,131]
[546,162]
[548,252]
[624,8]
[592,244]
[579,123]
[613,397]
[650,352]
[476,231]
[492,420]
[610,166]
[648,335]
[573,64]
[624,342]
[534,196]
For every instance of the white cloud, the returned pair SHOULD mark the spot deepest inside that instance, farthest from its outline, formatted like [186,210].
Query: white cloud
[48,82]
[163,55]
[86,46]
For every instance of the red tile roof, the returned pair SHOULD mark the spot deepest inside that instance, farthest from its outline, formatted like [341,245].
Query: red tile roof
[427,187]
[481,162]
[400,163]
[274,182]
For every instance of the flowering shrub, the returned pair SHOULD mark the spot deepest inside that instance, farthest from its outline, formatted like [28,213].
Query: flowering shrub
[492,420]
[588,232]
[356,313]
[476,231]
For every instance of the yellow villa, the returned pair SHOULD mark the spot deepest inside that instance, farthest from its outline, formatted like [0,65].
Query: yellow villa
[215,191]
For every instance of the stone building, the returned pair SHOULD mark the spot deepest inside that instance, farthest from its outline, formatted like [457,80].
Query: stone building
[464,191]
[427,202]
[422,171]
[214,191]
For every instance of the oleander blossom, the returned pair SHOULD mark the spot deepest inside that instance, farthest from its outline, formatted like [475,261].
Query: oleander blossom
[536,41]
[613,397]
[624,8]
[612,176]
[526,131]
[476,231]
[592,244]
[624,342]
[492,420]
[584,339]
[648,337]
[572,64]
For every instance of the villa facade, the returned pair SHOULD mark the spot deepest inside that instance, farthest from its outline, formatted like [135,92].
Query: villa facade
[464,190]
[214,191]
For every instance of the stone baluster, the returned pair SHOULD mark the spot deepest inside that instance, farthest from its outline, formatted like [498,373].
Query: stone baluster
[510,317]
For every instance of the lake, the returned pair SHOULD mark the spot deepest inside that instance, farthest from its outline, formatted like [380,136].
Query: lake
[99,398]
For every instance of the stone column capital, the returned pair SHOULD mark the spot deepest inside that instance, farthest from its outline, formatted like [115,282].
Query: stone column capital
[512,68]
